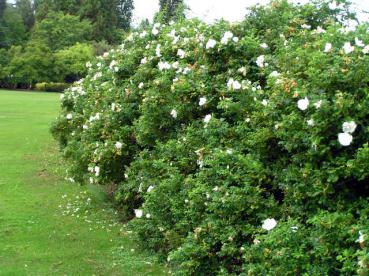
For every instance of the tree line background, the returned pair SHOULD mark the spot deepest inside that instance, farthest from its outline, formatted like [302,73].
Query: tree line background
[45,44]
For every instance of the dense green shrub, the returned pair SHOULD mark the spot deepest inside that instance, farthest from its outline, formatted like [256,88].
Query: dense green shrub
[51,87]
[236,148]
[70,62]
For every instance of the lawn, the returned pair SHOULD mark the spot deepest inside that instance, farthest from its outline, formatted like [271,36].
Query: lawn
[49,226]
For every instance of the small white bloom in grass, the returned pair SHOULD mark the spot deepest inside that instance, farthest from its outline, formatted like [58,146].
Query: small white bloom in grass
[256,241]
[118,145]
[85,127]
[348,48]
[150,188]
[318,104]
[311,122]
[88,65]
[216,189]
[260,61]
[141,85]
[345,139]
[210,44]
[327,47]
[264,45]
[148,216]
[235,39]
[143,34]
[202,101]
[181,53]
[174,113]
[264,102]
[366,49]
[69,116]
[359,43]
[138,213]
[349,127]
[207,118]
[269,224]
[303,104]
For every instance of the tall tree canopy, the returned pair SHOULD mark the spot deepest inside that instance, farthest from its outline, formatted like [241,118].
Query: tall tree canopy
[124,11]
[169,8]
[26,10]
[2,8]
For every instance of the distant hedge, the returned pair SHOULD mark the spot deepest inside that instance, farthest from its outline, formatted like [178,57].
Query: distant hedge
[237,149]
[51,87]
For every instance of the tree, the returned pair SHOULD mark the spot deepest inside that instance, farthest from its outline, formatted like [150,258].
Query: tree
[2,8]
[104,18]
[12,30]
[26,10]
[124,11]
[169,8]
[70,63]
[60,30]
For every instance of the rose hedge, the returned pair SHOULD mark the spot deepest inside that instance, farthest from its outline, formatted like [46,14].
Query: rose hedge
[236,148]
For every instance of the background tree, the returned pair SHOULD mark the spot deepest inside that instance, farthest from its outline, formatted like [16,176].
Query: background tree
[26,10]
[124,11]
[60,30]
[169,8]
[12,29]
[2,8]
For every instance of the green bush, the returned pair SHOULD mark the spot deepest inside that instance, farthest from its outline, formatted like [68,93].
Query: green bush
[237,148]
[51,87]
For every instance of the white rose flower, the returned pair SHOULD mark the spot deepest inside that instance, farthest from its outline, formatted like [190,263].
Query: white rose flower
[318,104]
[260,61]
[181,53]
[264,45]
[174,113]
[311,122]
[202,101]
[207,118]
[349,127]
[345,139]
[269,224]
[150,188]
[327,48]
[138,213]
[155,31]
[226,37]
[118,145]
[144,60]
[348,48]
[264,102]
[97,170]
[359,43]
[303,104]
[211,43]
[69,116]
[141,85]
[366,50]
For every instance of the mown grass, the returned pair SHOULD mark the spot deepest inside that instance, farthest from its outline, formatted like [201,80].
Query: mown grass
[49,226]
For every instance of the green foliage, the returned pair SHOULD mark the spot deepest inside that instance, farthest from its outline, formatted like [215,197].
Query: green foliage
[12,29]
[51,87]
[171,9]
[238,149]
[104,18]
[70,63]
[30,65]
[26,9]
[60,30]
